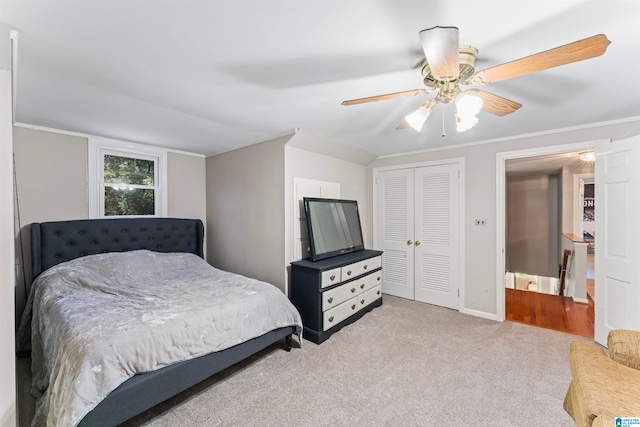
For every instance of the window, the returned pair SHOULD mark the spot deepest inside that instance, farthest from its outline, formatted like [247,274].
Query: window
[126,179]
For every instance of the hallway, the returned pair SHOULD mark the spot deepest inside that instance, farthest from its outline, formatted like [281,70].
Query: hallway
[549,311]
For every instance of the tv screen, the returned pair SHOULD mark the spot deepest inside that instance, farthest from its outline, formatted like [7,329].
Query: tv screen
[333,226]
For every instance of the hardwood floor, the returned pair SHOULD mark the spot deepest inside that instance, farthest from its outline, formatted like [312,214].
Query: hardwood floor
[549,311]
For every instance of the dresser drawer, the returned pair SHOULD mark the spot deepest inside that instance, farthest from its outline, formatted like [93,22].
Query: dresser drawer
[367,282]
[369,296]
[330,277]
[338,313]
[361,267]
[338,295]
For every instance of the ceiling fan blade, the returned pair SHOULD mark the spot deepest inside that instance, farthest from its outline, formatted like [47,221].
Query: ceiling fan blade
[384,97]
[561,55]
[416,119]
[495,104]
[442,50]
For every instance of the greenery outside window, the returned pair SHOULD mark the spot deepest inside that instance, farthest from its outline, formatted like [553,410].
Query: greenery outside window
[126,179]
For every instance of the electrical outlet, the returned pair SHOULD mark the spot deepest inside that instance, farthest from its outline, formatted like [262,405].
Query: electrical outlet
[481,222]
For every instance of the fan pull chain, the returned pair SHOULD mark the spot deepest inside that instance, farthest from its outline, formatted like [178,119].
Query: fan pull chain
[443,132]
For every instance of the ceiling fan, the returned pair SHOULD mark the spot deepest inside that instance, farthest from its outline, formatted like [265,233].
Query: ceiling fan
[449,65]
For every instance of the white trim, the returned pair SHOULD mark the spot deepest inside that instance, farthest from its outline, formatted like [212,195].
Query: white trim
[580,300]
[100,146]
[460,161]
[501,159]
[14,36]
[478,313]
[515,137]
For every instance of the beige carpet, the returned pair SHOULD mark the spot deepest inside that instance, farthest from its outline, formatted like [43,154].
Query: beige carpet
[403,364]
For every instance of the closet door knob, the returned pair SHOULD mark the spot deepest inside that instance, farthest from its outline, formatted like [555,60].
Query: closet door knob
[409,242]
[417,242]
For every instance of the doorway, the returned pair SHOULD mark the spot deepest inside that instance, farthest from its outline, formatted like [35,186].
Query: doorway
[525,302]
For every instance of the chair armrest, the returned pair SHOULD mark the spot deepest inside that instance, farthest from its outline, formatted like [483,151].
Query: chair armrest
[624,347]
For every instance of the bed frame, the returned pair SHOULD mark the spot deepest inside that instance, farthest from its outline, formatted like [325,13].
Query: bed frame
[56,242]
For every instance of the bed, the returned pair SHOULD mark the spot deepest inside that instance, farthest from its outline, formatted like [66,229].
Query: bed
[158,248]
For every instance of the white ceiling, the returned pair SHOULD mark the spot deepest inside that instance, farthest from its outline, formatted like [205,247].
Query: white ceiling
[210,76]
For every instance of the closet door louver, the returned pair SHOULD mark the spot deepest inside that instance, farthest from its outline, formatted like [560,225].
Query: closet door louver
[436,256]
[395,204]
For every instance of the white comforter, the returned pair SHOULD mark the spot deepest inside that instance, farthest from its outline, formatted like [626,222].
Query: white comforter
[100,319]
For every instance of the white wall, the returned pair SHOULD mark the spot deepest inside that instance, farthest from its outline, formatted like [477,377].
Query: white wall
[480,199]
[7,256]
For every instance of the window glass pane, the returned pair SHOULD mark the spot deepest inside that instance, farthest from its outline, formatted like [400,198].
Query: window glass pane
[136,201]
[118,169]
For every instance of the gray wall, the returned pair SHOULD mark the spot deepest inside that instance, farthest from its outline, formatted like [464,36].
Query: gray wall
[250,200]
[532,224]
[52,185]
[245,218]
[480,199]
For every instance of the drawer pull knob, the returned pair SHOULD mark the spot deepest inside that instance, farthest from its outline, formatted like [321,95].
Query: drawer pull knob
[364,266]
[332,277]
[330,319]
[353,290]
[353,307]
[361,301]
[330,300]
[362,286]
[349,273]
[378,292]
[378,278]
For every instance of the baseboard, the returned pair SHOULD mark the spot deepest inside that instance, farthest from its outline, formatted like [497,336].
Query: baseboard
[580,300]
[477,313]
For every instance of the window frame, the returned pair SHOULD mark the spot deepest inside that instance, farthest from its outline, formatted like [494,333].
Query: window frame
[99,147]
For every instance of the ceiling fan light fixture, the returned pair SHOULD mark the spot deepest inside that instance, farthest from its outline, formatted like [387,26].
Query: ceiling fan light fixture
[418,117]
[588,156]
[468,104]
[464,123]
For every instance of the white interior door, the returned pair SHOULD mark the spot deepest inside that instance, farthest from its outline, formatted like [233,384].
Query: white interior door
[394,231]
[617,285]
[436,232]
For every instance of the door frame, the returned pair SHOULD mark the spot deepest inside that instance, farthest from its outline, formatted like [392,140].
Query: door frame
[501,159]
[461,239]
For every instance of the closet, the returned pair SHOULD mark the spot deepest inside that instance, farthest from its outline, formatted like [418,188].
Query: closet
[417,226]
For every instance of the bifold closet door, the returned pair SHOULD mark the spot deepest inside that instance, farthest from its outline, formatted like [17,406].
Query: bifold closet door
[437,210]
[395,211]
[418,229]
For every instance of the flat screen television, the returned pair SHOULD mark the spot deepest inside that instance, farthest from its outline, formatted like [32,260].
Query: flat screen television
[334,227]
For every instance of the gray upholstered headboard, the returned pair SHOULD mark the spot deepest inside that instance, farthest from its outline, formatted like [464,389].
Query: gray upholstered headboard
[61,241]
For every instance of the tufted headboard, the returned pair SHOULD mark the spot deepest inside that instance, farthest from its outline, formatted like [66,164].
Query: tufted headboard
[61,241]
